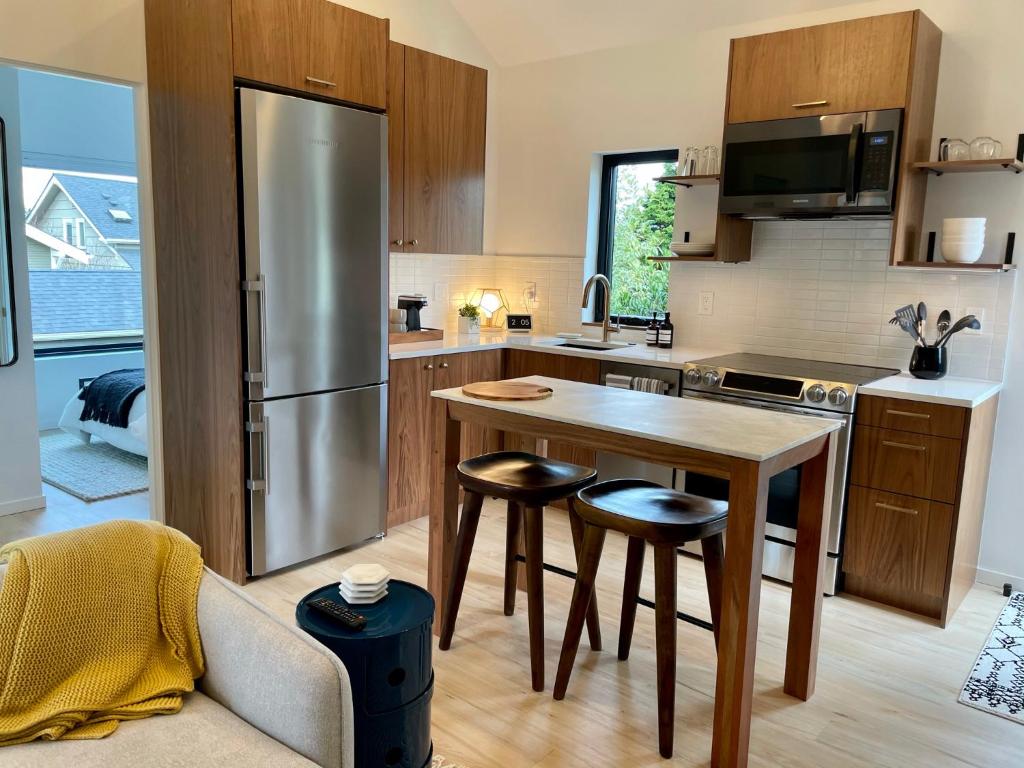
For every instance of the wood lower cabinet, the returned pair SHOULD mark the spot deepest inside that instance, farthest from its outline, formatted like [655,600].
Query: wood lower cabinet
[847,66]
[312,45]
[437,178]
[527,363]
[918,481]
[410,427]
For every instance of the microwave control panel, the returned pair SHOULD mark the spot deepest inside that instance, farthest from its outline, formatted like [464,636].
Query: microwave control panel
[877,160]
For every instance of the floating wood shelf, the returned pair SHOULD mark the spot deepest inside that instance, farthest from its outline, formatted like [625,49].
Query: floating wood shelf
[939,167]
[989,266]
[689,181]
[674,257]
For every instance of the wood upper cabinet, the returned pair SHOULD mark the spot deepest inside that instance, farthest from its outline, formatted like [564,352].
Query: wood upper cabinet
[437,112]
[312,45]
[846,66]
[410,424]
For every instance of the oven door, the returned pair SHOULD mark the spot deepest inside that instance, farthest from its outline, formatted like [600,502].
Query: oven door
[826,166]
[784,488]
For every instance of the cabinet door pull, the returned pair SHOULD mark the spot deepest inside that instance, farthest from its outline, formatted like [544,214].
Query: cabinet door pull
[908,414]
[805,104]
[906,446]
[414,241]
[428,367]
[894,508]
[399,241]
[318,81]
[444,365]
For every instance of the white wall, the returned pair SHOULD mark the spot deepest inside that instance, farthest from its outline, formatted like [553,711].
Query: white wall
[20,486]
[555,115]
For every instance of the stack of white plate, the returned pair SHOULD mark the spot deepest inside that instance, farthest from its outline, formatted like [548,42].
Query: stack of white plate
[963,240]
[364,584]
[692,249]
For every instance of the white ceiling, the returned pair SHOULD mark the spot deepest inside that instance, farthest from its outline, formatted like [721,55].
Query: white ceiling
[521,31]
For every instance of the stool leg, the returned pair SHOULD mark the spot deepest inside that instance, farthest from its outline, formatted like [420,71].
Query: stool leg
[463,549]
[535,591]
[514,522]
[714,567]
[593,619]
[590,556]
[665,635]
[630,592]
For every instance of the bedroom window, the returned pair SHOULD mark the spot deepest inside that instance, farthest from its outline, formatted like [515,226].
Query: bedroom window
[80,233]
[69,231]
[635,223]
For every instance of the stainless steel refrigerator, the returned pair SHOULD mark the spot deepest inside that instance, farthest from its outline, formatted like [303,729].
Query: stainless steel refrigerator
[314,199]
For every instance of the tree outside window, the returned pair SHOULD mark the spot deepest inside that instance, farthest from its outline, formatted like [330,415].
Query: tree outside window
[637,215]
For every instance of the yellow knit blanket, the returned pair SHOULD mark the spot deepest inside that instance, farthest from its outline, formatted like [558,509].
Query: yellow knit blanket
[97,625]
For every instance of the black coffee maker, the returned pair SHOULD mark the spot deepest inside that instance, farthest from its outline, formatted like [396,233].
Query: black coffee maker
[412,303]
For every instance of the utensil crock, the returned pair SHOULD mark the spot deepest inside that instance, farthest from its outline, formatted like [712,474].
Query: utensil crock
[929,362]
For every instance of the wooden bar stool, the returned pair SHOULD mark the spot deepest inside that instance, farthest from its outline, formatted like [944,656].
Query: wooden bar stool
[528,483]
[645,512]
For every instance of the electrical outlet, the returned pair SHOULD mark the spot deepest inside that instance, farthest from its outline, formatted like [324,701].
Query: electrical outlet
[531,292]
[978,312]
[707,303]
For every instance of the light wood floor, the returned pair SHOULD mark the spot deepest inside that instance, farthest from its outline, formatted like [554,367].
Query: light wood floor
[886,695]
[64,512]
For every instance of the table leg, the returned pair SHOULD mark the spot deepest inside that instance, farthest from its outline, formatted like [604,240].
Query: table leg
[444,505]
[741,599]
[808,574]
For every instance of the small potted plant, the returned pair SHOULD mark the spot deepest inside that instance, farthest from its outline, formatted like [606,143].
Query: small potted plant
[469,319]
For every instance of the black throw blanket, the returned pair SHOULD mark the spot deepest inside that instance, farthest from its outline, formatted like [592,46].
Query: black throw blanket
[108,398]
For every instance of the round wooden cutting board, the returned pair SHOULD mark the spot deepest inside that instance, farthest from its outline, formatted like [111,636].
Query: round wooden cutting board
[506,390]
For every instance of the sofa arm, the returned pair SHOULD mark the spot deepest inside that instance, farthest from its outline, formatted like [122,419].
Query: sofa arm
[274,676]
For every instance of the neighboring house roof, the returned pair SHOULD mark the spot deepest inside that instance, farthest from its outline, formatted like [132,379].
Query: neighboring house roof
[85,301]
[96,198]
[56,244]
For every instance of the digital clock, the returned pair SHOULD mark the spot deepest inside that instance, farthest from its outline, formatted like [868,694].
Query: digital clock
[519,323]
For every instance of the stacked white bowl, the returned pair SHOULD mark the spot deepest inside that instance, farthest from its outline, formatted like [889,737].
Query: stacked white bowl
[963,240]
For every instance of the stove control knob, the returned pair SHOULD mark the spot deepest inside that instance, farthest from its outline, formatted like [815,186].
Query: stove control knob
[816,393]
[838,396]
[710,378]
[693,377]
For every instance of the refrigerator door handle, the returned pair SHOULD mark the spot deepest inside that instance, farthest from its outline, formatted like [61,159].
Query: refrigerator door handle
[261,484]
[259,287]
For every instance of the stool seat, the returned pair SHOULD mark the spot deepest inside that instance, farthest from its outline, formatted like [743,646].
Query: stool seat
[650,511]
[523,477]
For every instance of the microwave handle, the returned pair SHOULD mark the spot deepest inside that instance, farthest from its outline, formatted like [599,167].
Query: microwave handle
[853,161]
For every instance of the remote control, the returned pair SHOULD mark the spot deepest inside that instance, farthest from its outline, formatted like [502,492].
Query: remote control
[339,613]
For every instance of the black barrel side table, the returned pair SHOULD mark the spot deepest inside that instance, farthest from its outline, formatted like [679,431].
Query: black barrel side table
[389,665]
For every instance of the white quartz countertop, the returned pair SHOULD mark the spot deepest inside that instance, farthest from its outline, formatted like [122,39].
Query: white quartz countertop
[639,354]
[703,425]
[966,393]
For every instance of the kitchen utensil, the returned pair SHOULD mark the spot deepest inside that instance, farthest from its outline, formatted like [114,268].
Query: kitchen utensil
[908,313]
[954,149]
[944,320]
[962,252]
[967,321]
[412,303]
[929,362]
[922,316]
[908,326]
[985,148]
[506,390]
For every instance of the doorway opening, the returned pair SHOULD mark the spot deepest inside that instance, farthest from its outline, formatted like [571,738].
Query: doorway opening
[83,244]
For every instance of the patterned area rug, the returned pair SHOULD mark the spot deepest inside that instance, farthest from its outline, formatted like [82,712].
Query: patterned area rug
[440,761]
[90,472]
[996,683]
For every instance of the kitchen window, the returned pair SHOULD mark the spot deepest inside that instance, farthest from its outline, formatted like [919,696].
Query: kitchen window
[635,224]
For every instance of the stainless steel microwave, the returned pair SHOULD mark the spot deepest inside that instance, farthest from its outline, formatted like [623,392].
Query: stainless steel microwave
[830,165]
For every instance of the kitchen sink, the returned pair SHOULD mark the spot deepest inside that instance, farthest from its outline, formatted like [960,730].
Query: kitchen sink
[600,346]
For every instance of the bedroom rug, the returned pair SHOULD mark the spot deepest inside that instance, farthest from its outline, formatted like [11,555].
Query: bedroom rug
[90,472]
[996,684]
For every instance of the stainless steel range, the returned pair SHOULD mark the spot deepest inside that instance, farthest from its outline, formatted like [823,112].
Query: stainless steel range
[794,386]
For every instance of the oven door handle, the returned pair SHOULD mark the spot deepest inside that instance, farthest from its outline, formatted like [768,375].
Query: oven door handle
[853,161]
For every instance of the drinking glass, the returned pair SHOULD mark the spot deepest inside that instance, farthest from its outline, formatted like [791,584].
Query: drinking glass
[689,165]
[985,148]
[954,149]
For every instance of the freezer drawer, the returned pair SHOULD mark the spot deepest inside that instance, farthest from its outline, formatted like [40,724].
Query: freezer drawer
[314,199]
[317,475]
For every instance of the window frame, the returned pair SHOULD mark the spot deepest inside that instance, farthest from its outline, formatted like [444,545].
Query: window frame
[606,222]
[68,238]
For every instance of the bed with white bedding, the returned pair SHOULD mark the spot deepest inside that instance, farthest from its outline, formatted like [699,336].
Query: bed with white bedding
[132,438]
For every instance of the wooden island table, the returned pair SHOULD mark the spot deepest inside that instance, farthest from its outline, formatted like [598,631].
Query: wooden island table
[746,445]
